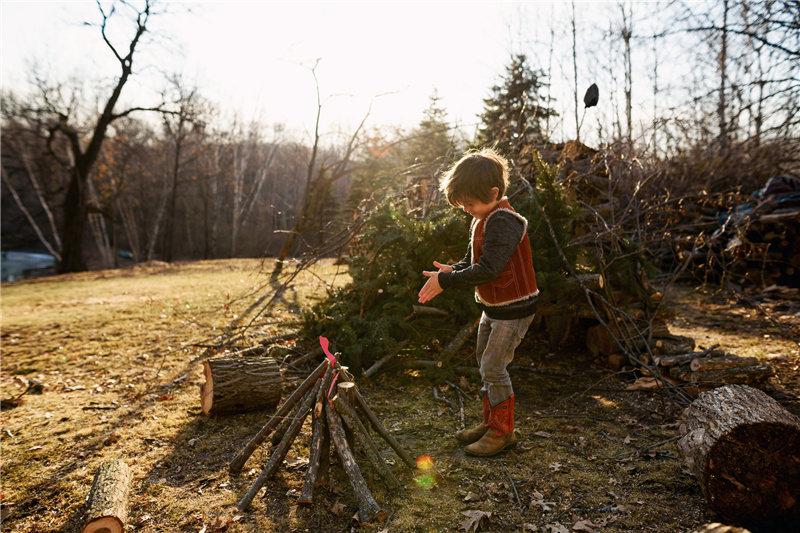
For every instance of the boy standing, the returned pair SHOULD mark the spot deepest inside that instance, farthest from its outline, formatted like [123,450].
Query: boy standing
[498,265]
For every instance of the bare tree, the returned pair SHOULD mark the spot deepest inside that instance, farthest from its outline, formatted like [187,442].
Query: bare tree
[319,179]
[81,155]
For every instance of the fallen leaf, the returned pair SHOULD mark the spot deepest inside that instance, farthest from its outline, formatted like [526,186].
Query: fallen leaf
[570,429]
[543,434]
[538,499]
[529,527]
[584,525]
[471,497]
[643,383]
[295,461]
[627,440]
[338,508]
[555,467]
[557,527]
[475,519]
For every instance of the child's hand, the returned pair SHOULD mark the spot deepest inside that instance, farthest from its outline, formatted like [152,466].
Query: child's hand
[442,268]
[431,287]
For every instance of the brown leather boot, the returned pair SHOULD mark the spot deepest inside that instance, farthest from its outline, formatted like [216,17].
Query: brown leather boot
[501,433]
[475,433]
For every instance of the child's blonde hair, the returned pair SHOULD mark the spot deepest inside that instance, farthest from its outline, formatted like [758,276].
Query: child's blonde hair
[474,176]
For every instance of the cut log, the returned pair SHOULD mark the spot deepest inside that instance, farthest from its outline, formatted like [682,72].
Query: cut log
[683,358]
[279,453]
[239,461]
[599,341]
[716,527]
[744,449]
[240,385]
[674,344]
[722,363]
[368,508]
[743,374]
[108,499]
[367,445]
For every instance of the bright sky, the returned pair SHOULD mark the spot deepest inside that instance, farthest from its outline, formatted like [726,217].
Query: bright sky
[255,57]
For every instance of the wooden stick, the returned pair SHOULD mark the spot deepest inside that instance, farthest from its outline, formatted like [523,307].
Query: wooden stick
[239,461]
[280,451]
[368,508]
[460,338]
[382,431]
[373,420]
[280,431]
[380,362]
[348,414]
[318,429]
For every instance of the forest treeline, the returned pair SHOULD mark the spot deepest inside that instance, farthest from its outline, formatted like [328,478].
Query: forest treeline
[99,182]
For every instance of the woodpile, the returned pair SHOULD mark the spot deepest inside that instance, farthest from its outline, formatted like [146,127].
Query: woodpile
[340,417]
[756,243]
[744,450]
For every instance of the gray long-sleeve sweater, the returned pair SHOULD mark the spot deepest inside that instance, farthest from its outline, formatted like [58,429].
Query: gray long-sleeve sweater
[503,232]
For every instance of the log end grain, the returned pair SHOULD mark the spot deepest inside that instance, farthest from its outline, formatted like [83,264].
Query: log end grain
[753,476]
[107,504]
[105,524]
[744,449]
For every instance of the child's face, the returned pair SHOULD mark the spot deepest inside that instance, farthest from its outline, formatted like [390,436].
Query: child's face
[477,208]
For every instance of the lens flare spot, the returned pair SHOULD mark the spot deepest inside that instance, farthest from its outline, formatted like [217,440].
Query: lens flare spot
[425,462]
[425,481]
[379,147]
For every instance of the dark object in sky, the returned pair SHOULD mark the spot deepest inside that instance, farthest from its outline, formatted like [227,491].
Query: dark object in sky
[591,96]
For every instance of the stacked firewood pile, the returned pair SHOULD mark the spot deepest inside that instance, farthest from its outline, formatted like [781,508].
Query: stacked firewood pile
[340,418]
[676,359]
[757,243]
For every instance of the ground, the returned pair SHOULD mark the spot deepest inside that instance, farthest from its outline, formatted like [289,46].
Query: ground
[118,355]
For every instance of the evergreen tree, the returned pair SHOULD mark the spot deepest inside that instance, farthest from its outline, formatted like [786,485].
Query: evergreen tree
[514,113]
[430,147]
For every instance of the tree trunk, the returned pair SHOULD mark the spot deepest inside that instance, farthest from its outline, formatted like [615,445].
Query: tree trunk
[744,449]
[240,385]
[108,499]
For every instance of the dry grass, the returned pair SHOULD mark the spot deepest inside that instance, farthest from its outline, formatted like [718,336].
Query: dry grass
[117,353]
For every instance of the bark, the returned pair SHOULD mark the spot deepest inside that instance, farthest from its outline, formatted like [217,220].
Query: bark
[743,374]
[368,508]
[240,385]
[744,449]
[108,499]
[319,427]
[722,363]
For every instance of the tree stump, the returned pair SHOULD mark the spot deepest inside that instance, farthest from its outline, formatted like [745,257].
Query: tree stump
[744,449]
[240,385]
[108,499]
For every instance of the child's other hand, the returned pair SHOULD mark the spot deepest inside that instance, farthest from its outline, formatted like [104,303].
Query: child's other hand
[431,287]
[442,268]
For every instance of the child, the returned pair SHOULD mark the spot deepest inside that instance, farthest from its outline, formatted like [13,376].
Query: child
[498,265]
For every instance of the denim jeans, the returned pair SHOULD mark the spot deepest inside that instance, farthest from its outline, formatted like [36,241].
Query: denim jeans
[497,340]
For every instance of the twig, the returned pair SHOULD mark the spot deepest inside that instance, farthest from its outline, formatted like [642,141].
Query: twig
[640,450]
[443,399]
[513,486]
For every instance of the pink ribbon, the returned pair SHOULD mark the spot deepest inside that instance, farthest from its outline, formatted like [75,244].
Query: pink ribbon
[324,343]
